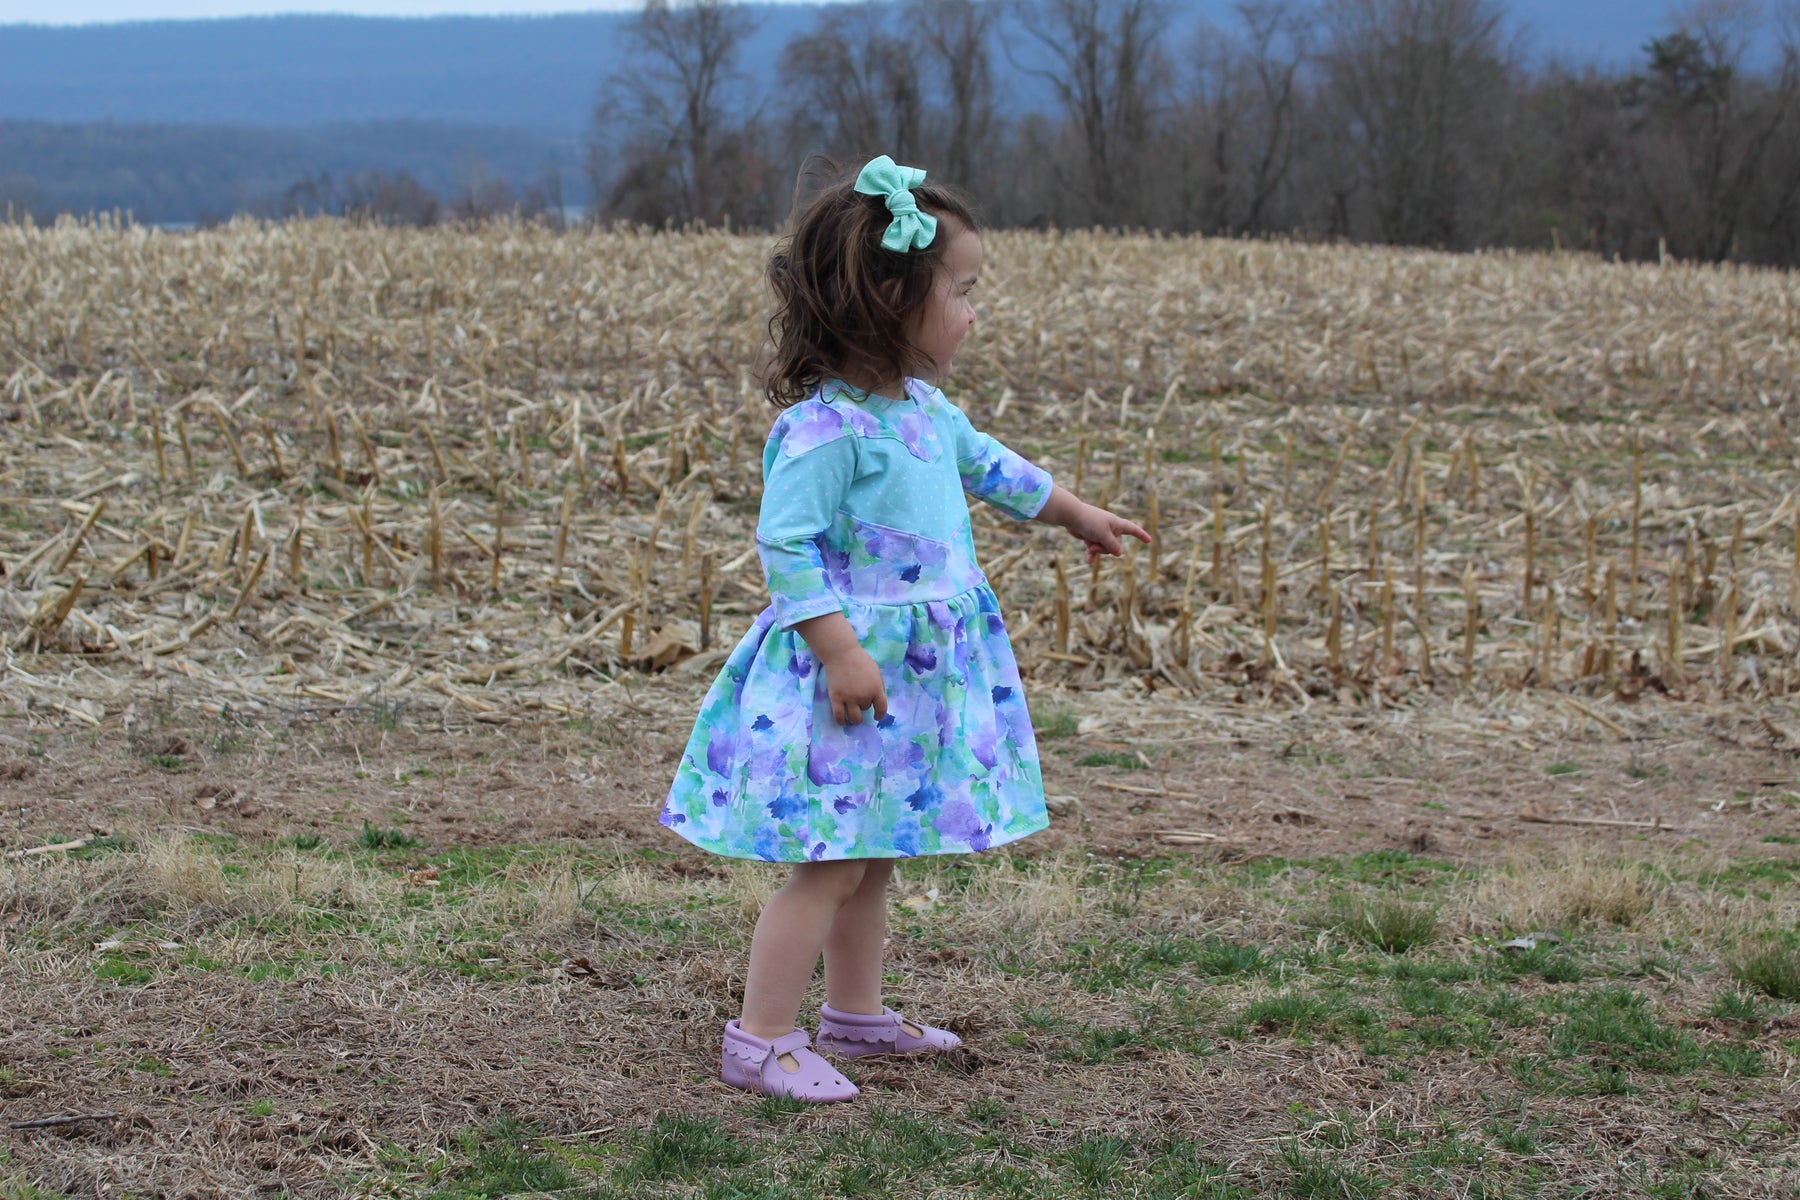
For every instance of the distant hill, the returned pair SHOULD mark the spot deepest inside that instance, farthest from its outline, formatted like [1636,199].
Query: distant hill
[178,119]
[179,173]
[537,73]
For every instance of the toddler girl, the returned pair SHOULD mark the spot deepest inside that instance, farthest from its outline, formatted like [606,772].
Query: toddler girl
[874,710]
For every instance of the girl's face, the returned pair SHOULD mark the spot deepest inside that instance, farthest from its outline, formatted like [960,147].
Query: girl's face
[938,328]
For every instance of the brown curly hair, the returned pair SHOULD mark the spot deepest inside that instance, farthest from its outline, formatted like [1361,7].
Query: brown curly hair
[842,299]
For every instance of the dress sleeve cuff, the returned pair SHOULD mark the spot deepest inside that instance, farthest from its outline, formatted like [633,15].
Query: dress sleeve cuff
[789,613]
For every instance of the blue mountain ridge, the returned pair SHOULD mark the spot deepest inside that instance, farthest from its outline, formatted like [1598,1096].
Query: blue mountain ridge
[535,73]
[174,120]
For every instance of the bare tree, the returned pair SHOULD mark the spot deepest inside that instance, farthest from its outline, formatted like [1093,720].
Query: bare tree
[854,85]
[675,109]
[1421,88]
[1243,121]
[1778,194]
[1703,131]
[1577,149]
[958,35]
[383,199]
[479,195]
[1108,70]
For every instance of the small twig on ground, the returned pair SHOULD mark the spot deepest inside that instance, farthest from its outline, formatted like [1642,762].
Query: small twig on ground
[1184,837]
[1144,791]
[1595,717]
[77,844]
[51,1122]
[1537,816]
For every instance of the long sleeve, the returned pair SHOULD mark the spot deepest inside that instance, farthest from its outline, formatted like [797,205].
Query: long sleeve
[805,481]
[1003,478]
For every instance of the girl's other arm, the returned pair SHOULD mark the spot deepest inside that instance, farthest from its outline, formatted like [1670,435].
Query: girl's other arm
[1100,529]
[851,675]
[808,467]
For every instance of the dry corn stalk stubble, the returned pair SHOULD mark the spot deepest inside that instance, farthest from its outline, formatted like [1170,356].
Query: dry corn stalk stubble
[477,468]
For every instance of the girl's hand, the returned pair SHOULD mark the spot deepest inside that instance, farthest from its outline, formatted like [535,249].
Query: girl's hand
[851,676]
[855,684]
[1102,530]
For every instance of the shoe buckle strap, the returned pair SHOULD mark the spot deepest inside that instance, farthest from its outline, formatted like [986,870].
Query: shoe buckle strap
[788,1043]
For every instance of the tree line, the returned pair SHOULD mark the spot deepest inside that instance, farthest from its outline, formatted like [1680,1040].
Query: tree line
[400,171]
[1409,122]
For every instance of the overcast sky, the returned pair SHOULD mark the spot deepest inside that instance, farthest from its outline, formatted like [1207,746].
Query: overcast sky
[78,12]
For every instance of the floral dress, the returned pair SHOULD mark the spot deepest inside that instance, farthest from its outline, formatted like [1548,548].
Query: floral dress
[863,514]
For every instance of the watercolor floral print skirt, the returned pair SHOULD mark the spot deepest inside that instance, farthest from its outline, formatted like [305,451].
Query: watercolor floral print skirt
[953,768]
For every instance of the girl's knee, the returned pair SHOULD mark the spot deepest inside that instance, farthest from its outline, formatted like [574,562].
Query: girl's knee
[838,880]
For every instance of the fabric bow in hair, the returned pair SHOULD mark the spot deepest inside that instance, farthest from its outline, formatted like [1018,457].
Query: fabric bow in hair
[910,229]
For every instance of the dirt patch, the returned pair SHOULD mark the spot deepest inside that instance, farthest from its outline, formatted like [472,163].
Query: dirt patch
[1228,783]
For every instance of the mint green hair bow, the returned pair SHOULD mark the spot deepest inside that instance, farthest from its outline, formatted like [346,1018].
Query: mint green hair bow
[910,229]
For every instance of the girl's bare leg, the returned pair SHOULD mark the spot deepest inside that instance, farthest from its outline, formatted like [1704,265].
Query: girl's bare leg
[790,934]
[853,947]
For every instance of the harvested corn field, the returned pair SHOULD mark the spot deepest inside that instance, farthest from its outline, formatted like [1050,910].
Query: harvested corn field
[1425,810]
[307,465]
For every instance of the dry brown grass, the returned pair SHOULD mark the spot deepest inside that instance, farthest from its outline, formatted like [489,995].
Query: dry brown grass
[1569,892]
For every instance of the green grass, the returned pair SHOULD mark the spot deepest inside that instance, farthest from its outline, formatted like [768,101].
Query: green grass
[1302,1016]
[123,971]
[386,839]
[1103,965]
[682,1148]
[386,715]
[1772,969]
[504,1160]
[16,1188]
[1055,723]
[1384,922]
[879,1151]
[1118,759]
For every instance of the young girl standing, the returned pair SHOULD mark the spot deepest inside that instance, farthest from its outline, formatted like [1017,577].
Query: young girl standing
[874,710]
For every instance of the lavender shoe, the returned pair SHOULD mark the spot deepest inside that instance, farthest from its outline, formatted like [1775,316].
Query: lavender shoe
[747,1061]
[858,1035]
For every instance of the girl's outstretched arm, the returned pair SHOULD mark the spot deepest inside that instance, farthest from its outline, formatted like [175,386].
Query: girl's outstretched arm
[1100,529]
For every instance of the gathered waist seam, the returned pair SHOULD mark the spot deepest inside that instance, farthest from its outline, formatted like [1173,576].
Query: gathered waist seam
[975,587]
[980,585]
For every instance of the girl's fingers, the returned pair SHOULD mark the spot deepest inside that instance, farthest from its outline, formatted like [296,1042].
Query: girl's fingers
[849,712]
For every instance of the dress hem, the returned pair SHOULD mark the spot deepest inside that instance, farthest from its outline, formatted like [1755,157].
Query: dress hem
[994,845]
